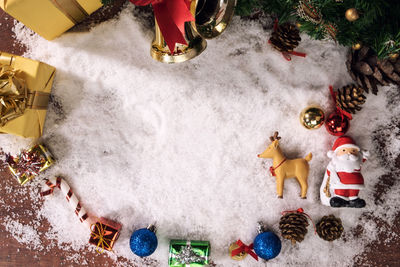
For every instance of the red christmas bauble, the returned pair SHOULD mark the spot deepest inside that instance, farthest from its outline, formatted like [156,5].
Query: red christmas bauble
[337,124]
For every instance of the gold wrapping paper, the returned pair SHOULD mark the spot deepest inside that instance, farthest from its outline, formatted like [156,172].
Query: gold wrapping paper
[50,18]
[13,94]
[39,78]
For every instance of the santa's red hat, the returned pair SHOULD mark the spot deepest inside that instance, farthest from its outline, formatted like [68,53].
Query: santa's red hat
[340,143]
[344,142]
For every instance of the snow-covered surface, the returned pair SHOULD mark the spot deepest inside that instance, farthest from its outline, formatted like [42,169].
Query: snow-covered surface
[142,142]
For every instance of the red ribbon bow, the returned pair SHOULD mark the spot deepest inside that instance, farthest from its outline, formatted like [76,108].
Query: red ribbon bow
[300,210]
[339,110]
[244,248]
[171,16]
[286,55]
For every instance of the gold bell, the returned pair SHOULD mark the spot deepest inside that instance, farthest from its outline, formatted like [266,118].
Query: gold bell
[211,19]
[240,256]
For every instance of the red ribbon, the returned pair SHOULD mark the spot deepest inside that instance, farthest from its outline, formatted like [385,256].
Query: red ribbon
[171,16]
[52,187]
[339,110]
[285,54]
[244,248]
[300,210]
[272,168]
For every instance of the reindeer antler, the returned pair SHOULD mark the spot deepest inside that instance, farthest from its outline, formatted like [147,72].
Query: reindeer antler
[274,137]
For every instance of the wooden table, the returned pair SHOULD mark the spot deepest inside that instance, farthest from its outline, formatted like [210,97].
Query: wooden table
[385,251]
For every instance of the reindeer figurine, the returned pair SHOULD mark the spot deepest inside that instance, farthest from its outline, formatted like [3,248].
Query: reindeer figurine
[284,168]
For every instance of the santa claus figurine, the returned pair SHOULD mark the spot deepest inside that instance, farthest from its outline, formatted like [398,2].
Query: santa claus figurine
[343,180]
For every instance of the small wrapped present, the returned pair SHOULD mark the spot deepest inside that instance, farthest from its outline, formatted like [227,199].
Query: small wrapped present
[50,18]
[185,253]
[104,234]
[25,87]
[29,163]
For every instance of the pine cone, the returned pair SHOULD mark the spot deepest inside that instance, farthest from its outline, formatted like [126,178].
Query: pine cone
[285,38]
[368,71]
[350,98]
[293,226]
[330,228]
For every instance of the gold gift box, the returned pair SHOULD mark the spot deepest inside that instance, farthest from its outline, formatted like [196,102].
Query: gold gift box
[39,78]
[46,161]
[50,18]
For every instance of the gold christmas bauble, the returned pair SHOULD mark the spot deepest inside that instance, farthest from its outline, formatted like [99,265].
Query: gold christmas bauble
[352,14]
[298,24]
[394,56]
[239,256]
[312,117]
[356,46]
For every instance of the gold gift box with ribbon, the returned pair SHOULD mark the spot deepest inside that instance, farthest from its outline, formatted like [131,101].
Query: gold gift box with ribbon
[50,18]
[38,155]
[25,87]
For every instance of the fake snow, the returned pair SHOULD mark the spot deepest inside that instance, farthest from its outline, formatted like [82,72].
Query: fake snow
[25,234]
[142,142]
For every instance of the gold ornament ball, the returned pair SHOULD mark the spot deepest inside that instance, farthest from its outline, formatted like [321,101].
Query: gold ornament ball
[239,256]
[356,46]
[312,117]
[394,56]
[298,24]
[352,14]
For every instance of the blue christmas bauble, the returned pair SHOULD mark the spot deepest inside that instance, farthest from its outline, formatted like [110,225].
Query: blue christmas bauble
[143,242]
[267,245]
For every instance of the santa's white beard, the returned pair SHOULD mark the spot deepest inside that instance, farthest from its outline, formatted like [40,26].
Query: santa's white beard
[347,162]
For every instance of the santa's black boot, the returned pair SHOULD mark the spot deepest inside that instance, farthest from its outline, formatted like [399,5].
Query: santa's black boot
[338,202]
[357,203]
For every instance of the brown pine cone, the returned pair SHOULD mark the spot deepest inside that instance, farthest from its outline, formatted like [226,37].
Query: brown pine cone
[285,38]
[350,98]
[293,226]
[368,71]
[330,228]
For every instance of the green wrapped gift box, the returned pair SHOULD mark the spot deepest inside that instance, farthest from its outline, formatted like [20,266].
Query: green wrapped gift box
[186,253]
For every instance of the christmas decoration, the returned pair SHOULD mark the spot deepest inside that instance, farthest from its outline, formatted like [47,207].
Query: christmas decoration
[330,228]
[25,87]
[378,25]
[356,46]
[184,253]
[343,180]
[239,251]
[144,241]
[58,182]
[104,234]
[179,36]
[267,245]
[293,225]
[350,98]
[330,30]
[307,11]
[337,124]
[368,71]
[285,38]
[312,117]
[13,94]
[29,163]
[286,168]
[352,14]
[238,257]
[50,18]
[394,56]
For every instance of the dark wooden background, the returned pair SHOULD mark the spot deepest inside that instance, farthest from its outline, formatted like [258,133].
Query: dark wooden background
[384,251]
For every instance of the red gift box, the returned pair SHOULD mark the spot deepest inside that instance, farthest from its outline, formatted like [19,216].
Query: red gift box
[104,234]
